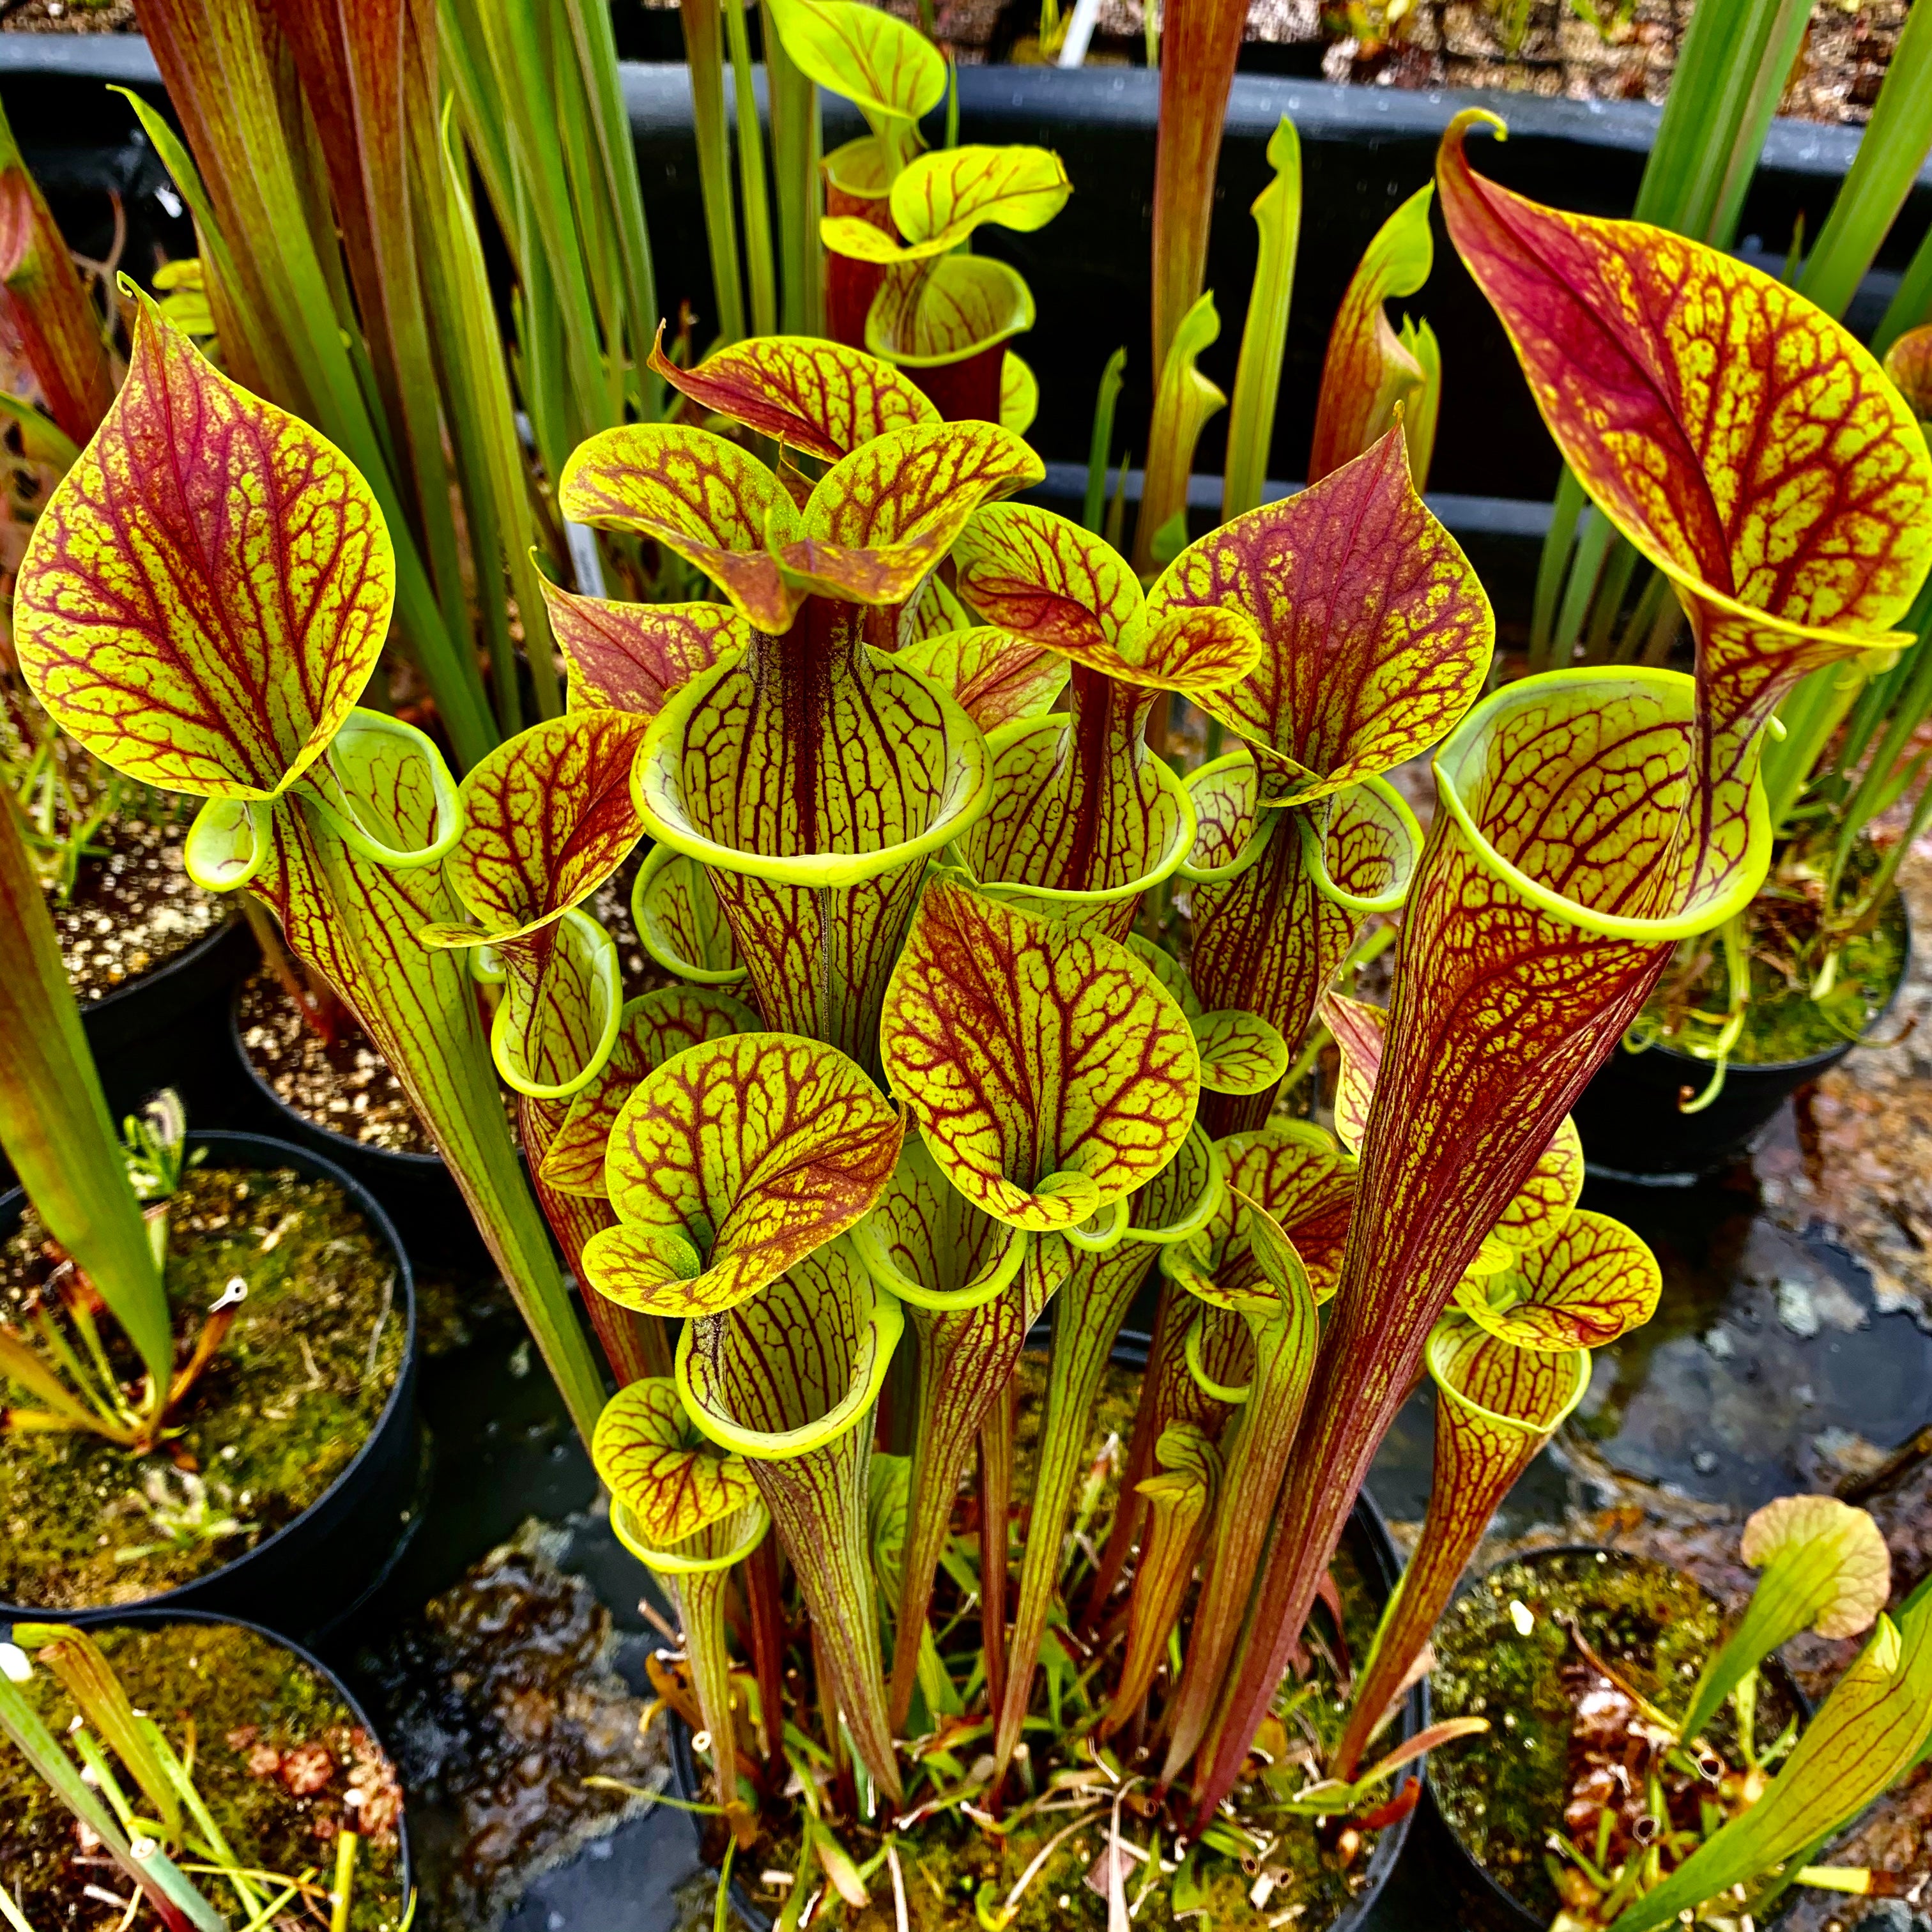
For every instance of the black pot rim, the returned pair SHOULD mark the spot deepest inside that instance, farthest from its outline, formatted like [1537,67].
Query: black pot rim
[1825,1058]
[259,1153]
[1389,1841]
[398,1161]
[154,1615]
[1503,1900]
[182,965]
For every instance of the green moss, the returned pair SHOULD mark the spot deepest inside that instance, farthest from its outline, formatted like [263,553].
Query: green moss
[288,1403]
[1783,1022]
[227,1699]
[1504,1793]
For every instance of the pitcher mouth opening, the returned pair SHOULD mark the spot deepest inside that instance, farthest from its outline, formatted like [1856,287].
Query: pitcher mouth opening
[1671,699]
[964,795]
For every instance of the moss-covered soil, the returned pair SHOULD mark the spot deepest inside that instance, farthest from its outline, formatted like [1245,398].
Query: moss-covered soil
[959,1863]
[1784,1022]
[276,1755]
[287,1404]
[1561,1729]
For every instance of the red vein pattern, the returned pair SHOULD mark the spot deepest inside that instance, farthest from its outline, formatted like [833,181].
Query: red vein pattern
[820,398]
[1376,635]
[202,602]
[654,1462]
[633,657]
[1027,1053]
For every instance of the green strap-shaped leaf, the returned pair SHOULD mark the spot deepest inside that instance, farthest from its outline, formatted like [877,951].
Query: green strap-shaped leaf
[1496,1406]
[680,922]
[1184,402]
[939,199]
[1826,1568]
[652,1458]
[887,69]
[1087,1317]
[995,677]
[547,816]
[631,657]
[207,591]
[1738,437]
[1281,1317]
[1376,635]
[1367,371]
[791,1380]
[1045,578]
[651,1029]
[1050,1076]
[708,500]
[966,1359]
[813,779]
[820,398]
[928,314]
[731,1162]
[1866,1735]
[1179,1499]
[1593,1281]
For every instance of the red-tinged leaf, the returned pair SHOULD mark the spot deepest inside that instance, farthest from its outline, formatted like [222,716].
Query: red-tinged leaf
[1542,1206]
[927,313]
[731,1162]
[1045,579]
[680,923]
[652,1459]
[1592,1281]
[879,520]
[1241,1053]
[816,397]
[1909,363]
[651,1029]
[1368,371]
[47,306]
[1085,817]
[813,778]
[702,497]
[1376,635]
[996,678]
[791,1380]
[219,651]
[1050,1076]
[547,818]
[1496,1406]
[631,657]
[1745,442]
[562,996]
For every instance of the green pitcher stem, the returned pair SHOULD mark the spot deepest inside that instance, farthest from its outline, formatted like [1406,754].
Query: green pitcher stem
[1087,1315]
[1284,1346]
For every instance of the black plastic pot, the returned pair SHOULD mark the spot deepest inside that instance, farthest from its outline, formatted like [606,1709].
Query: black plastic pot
[1633,1129]
[1479,1903]
[153,1616]
[417,1190]
[164,1027]
[1367,1540]
[311,1575]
